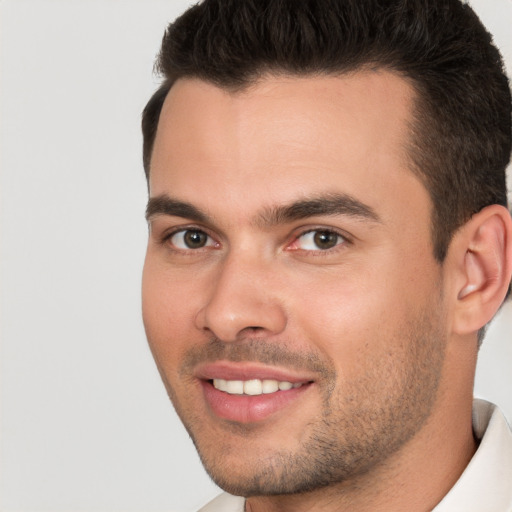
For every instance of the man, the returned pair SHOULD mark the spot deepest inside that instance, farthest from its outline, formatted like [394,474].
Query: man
[328,239]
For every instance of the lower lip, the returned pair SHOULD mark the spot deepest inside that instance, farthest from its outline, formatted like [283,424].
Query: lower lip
[247,408]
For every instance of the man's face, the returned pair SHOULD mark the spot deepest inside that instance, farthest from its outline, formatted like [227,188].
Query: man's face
[290,259]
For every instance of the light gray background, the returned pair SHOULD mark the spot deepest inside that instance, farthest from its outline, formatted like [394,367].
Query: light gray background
[85,422]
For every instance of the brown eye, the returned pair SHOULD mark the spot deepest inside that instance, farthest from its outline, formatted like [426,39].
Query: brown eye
[191,239]
[325,239]
[319,239]
[195,239]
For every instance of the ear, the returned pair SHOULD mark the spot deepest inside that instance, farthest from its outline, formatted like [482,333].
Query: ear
[481,255]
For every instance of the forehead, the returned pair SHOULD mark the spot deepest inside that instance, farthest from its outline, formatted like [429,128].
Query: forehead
[284,136]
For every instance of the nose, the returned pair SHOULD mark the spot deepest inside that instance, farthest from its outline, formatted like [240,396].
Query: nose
[243,301]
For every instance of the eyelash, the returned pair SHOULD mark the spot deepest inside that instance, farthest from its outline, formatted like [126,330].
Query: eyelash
[342,240]
[168,236]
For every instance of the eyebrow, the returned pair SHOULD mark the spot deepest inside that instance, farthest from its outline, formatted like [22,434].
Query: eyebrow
[165,205]
[327,204]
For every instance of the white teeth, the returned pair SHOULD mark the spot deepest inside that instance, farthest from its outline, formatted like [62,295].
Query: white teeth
[253,387]
[235,387]
[269,386]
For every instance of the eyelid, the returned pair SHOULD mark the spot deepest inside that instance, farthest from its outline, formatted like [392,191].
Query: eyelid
[171,232]
[346,239]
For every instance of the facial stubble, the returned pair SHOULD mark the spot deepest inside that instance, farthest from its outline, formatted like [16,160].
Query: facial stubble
[362,423]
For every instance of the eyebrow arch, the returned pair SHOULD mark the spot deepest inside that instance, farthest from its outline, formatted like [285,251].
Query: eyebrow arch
[327,204]
[165,205]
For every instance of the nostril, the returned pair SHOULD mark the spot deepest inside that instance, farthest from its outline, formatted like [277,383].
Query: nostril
[252,329]
[230,318]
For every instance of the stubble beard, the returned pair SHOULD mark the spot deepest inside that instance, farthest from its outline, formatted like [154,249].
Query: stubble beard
[360,427]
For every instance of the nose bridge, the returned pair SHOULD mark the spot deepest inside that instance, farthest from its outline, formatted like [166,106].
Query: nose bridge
[243,299]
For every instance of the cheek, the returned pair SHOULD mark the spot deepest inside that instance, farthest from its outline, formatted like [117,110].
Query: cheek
[357,317]
[168,318]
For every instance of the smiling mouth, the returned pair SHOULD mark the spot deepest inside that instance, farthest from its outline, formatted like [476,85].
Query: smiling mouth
[240,395]
[254,387]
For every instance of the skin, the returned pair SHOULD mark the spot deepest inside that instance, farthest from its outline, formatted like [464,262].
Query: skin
[370,323]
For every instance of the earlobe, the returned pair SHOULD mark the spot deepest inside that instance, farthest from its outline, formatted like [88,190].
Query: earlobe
[484,249]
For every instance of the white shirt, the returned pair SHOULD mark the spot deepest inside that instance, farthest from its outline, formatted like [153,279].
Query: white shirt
[484,486]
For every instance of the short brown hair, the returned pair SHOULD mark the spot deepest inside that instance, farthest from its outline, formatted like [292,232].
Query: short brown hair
[461,134]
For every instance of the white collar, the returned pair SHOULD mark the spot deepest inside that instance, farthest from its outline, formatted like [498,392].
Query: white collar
[486,484]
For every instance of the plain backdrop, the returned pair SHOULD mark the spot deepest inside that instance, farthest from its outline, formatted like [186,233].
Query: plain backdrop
[85,422]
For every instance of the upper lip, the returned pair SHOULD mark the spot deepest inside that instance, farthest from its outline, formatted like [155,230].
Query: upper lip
[248,371]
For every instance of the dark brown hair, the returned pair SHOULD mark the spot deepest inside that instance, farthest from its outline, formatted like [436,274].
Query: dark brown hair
[461,132]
